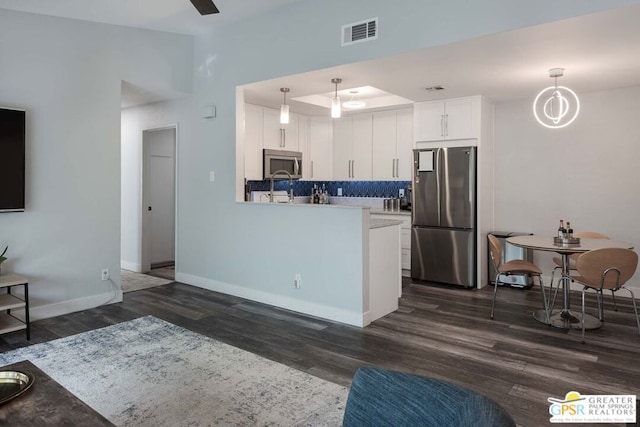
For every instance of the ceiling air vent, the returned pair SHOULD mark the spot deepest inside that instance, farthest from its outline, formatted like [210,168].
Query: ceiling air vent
[360,31]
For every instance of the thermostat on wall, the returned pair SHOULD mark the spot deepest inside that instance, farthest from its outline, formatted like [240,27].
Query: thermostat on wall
[209,112]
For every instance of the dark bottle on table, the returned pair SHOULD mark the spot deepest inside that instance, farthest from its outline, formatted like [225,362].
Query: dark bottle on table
[316,198]
[561,230]
[569,230]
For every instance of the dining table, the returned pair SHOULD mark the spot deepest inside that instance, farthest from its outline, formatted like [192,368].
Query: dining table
[565,318]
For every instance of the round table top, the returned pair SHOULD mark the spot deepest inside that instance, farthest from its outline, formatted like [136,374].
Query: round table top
[545,243]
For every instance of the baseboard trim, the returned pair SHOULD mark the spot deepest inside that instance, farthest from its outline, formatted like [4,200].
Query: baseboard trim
[300,306]
[65,307]
[131,266]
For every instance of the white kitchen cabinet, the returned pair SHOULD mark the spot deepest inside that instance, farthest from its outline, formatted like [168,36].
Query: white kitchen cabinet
[253,142]
[263,130]
[352,139]
[392,145]
[447,120]
[277,136]
[362,150]
[320,137]
[291,134]
[342,148]
[404,145]
[405,238]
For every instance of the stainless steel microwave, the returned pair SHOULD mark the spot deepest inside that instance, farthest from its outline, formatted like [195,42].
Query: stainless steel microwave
[277,161]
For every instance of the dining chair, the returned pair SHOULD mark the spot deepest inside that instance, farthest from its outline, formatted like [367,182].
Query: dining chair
[607,268]
[572,266]
[515,266]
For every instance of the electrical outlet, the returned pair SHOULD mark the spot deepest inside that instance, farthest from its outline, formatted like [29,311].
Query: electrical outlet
[401,192]
[297,282]
[105,274]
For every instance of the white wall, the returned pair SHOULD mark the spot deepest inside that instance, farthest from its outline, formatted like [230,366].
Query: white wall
[67,75]
[586,173]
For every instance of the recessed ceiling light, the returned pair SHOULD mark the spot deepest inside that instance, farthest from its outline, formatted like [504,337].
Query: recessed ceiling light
[354,102]
[434,88]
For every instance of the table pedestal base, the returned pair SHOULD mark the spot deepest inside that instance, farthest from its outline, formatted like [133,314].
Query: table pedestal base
[568,320]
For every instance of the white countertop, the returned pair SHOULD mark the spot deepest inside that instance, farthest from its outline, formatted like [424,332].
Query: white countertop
[382,211]
[379,223]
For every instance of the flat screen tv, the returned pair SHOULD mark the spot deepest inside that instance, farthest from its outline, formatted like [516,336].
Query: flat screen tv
[12,160]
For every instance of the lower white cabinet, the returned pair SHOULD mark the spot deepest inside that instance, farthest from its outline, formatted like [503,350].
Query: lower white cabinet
[405,238]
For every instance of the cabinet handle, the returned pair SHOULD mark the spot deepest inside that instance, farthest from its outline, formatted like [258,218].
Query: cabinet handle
[353,168]
[284,138]
[446,125]
[349,166]
[441,124]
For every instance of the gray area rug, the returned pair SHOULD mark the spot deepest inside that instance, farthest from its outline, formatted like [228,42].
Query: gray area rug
[132,281]
[147,372]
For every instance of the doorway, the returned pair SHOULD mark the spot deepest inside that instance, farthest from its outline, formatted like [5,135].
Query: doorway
[158,243]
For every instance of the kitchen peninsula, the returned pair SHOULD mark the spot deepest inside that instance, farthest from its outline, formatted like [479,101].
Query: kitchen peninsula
[376,284]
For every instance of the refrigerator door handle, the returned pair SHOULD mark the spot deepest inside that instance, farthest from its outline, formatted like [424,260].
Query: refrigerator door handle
[439,172]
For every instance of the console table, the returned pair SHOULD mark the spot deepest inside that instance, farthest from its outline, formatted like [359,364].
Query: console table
[8,301]
[47,403]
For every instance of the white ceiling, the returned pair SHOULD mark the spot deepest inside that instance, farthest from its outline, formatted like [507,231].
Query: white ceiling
[599,51]
[176,16]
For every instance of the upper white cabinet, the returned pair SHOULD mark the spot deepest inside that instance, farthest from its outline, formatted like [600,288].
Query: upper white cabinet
[404,145]
[392,145]
[352,139]
[451,119]
[263,130]
[342,148]
[320,149]
[277,136]
[252,142]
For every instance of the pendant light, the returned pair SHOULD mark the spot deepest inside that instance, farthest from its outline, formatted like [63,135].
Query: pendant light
[336,110]
[354,103]
[556,106]
[284,108]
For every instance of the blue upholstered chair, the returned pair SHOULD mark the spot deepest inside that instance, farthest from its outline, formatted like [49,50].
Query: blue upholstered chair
[385,398]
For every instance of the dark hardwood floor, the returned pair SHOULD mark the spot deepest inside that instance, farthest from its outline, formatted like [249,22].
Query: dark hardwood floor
[442,332]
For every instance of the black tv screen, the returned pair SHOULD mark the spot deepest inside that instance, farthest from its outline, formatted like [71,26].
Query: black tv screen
[12,160]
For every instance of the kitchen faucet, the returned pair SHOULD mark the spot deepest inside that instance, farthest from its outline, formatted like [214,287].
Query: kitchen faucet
[290,185]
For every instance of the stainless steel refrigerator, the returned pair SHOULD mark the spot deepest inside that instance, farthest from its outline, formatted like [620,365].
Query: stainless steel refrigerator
[443,232]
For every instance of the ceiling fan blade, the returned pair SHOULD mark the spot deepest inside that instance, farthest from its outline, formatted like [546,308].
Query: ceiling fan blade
[205,7]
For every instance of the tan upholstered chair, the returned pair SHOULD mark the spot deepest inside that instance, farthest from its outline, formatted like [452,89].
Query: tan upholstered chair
[516,266]
[572,266]
[607,268]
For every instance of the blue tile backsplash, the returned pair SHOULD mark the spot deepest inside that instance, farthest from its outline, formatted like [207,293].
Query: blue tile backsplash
[386,189]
